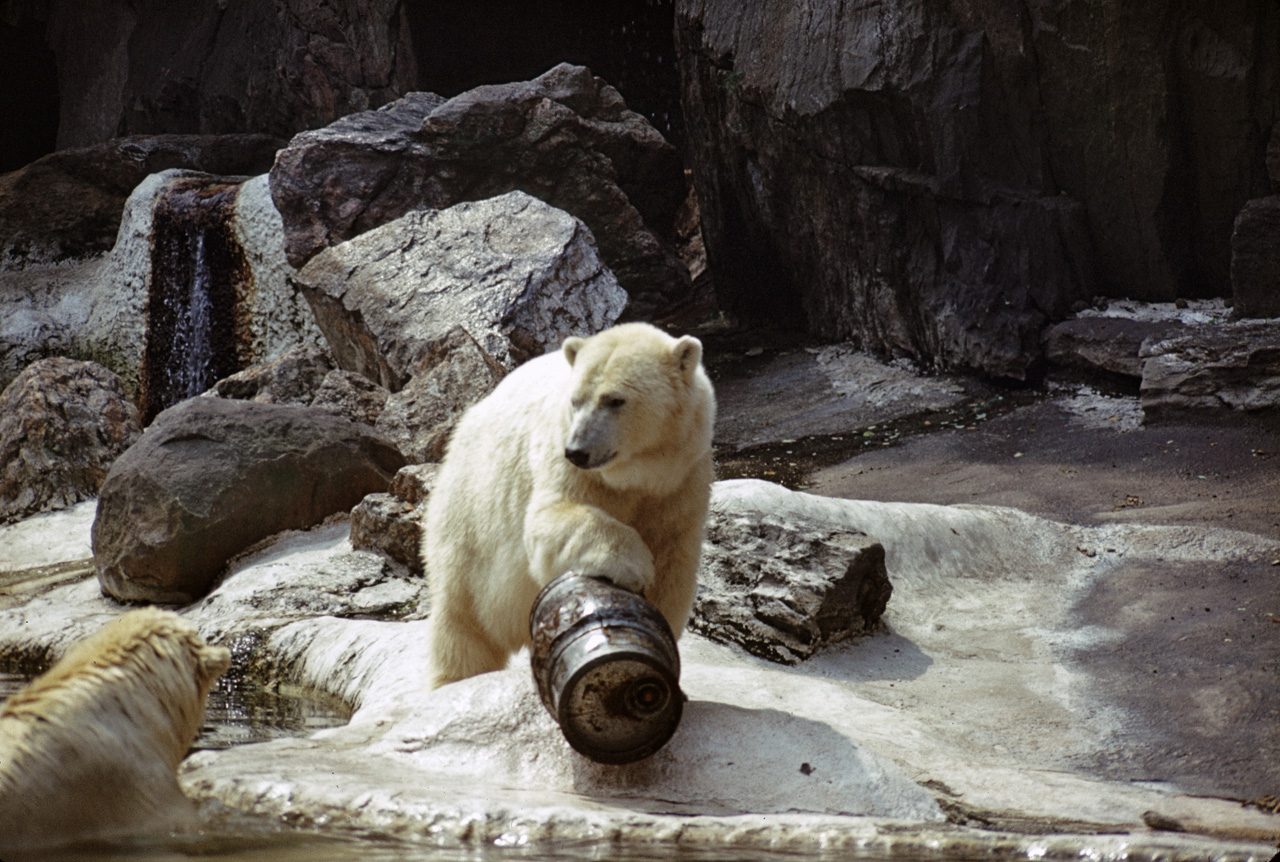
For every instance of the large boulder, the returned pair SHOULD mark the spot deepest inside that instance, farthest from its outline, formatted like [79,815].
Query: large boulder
[942,179]
[519,275]
[211,477]
[782,586]
[1214,368]
[565,137]
[277,66]
[1110,345]
[63,424]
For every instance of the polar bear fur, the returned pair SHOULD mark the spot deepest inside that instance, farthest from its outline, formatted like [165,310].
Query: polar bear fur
[510,510]
[92,747]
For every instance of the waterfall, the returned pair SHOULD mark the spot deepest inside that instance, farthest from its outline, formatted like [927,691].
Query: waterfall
[194,310]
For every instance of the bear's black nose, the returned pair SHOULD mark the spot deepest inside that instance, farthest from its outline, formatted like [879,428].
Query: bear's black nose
[578,457]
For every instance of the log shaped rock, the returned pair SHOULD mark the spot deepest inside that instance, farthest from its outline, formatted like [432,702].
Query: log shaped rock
[1214,367]
[211,477]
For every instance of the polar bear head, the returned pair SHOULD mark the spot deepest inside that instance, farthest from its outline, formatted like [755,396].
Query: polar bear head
[641,408]
[92,746]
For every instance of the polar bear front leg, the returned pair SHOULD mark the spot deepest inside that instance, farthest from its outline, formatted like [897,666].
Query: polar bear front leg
[562,536]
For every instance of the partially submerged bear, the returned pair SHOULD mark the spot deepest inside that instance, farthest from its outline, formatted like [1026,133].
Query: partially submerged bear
[595,459]
[92,747]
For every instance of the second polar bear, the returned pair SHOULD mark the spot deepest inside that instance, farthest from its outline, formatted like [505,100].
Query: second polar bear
[595,459]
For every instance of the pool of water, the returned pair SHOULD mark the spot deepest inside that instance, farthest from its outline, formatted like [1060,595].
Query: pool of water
[238,713]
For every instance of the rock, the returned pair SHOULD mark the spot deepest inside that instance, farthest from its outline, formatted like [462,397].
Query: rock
[211,477]
[352,395]
[388,526]
[62,425]
[391,524]
[565,137]
[293,377]
[1255,259]
[68,204]
[1104,344]
[413,483]
[278,66]
[454,374]
[135,310]
[942,180]
[1223,367]
[518,274]
[782,587]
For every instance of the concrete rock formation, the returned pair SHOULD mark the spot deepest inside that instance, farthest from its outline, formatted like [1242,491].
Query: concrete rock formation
[1224,367]
[211,477]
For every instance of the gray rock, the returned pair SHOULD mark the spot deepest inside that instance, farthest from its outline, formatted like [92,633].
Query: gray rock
[62,425]
[518,274]
[294,377]
[1104,344]
[944,179]
[1223,367]
[352,395]
[212,477]
[781,587]
[413,482]
[391,524]
[565,137]
[276,66]
[454,374]
[1255,259]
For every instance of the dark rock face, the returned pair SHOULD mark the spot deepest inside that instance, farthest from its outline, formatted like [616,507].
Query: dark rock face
[941,179]
[211,477]
[293,377]
[62,425]
[68,204]
[565,137]
[1213,368]
[1255,259]
[782,589]
[278,66]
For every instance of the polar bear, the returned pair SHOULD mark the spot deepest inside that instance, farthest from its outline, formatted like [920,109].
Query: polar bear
[91,748]
[595,459]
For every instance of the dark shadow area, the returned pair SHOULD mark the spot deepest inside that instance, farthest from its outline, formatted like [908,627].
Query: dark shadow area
[28,95]
[629,44]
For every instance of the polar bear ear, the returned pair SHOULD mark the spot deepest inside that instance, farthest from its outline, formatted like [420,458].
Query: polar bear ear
[687,353]
[571,346]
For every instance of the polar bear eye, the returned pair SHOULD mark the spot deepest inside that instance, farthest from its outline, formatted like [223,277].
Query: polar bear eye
[613,402]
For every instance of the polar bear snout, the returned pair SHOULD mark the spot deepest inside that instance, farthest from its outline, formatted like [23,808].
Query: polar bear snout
[585,459]
[590,440]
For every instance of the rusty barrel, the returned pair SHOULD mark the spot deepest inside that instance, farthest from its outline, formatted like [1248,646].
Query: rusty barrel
[606,667]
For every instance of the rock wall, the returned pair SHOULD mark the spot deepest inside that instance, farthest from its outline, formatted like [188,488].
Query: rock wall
[939,179]
[278,66]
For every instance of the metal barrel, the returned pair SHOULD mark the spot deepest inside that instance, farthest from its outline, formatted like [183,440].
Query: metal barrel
[606,666]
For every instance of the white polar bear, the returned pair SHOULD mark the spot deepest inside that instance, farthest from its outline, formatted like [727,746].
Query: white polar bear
[595,459]
[92,747]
